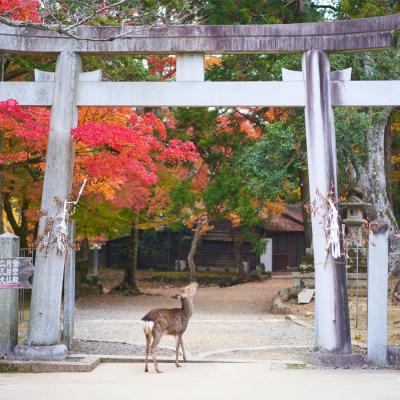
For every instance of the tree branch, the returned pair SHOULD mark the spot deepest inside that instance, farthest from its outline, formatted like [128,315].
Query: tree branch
[186,12]
[94,14]
[15,74]
[23,163]
[326,7]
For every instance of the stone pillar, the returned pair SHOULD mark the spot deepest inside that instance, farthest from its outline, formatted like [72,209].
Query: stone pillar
[69,289]
[332,327]
[44,324]
[378,275]
[9,247]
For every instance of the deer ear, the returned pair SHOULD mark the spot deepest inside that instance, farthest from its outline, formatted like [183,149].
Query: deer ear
[176,296]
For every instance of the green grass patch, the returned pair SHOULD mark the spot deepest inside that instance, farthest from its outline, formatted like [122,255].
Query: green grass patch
[178,277]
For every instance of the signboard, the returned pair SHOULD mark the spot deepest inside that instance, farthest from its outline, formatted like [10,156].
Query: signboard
[305,296]
[15,272]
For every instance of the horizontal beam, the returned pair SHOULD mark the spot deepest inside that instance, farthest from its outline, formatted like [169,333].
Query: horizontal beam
[368,33]
[28,93]
[203,94]
[160,94]
[365,93]
[193,94]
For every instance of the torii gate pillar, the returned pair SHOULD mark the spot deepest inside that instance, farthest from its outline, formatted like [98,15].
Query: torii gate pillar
[332,327]
[44,323]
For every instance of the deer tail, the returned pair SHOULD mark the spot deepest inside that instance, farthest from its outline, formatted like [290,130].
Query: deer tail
[148,327]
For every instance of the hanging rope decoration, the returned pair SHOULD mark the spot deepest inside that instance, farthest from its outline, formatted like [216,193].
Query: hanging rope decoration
[61,230]
[332,229]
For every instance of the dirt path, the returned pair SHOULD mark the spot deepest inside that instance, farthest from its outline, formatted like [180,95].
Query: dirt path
[229,322]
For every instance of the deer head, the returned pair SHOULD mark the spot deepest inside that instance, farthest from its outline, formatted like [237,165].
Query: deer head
[187,292]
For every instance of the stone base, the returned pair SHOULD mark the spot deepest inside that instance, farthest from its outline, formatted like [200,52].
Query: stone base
[330,360]
[55,352]
[84,363]
[394,355]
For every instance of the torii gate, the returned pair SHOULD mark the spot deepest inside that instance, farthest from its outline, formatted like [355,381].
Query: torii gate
[315,88]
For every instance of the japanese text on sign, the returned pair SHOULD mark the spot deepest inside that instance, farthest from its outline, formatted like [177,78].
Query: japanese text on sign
[15,272]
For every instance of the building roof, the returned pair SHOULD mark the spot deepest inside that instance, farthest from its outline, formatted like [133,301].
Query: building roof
[291,220]
[294,212]
[283,223]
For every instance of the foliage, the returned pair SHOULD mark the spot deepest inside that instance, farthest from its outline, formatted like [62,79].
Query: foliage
[22,10]
[176,278]
[120,151]
[258,12]
[366,8]
[274,161]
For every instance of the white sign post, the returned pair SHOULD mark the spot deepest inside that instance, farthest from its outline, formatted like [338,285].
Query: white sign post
[9,247]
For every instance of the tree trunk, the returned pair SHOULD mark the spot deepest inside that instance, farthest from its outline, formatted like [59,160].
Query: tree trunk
[128,284]
[305,200]
[193,247]
[1,190]
[388,159]
[19,229]
[237,245]
[82,267]
[371,177]
[83,263]
[1,205]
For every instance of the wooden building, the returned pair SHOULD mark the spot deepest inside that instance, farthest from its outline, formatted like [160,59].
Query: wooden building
[160,249]
[286,232]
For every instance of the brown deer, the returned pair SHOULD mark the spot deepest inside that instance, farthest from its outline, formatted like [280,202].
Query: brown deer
[169,321]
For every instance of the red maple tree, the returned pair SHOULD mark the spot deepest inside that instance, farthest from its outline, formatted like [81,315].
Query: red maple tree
[119,151]
[22,10]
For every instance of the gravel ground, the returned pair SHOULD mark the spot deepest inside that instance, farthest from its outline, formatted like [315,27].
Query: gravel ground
[231,322]
[113,348]
[359,330]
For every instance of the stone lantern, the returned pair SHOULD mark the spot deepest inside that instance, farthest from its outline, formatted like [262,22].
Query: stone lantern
[355,220]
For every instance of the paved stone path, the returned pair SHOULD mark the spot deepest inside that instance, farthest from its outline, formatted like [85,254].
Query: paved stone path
[202,381]
[231,322]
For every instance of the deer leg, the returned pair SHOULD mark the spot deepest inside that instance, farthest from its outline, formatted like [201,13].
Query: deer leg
[183,349]
[178,339]
[156,339]
[148,340]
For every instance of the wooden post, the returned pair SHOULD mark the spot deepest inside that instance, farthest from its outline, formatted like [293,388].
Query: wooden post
[95,260]
[69,288]
[44,324]
[332,327]
[9,247]
[190,67]
[378,275]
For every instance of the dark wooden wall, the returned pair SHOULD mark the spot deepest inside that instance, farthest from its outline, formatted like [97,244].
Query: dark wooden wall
[287,249]
[160,249]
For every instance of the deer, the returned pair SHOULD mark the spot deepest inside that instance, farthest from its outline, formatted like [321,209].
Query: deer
[169,321]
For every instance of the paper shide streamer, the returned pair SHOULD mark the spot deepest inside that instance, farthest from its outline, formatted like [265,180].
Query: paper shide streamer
[332,229]
[61,230]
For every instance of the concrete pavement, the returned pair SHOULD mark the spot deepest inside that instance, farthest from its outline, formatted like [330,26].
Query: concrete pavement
[203,381]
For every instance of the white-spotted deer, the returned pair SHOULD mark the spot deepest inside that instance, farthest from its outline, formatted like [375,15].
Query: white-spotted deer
[169,321]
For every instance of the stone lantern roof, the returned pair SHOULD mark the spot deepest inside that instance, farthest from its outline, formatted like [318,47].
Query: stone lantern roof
[355,201]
